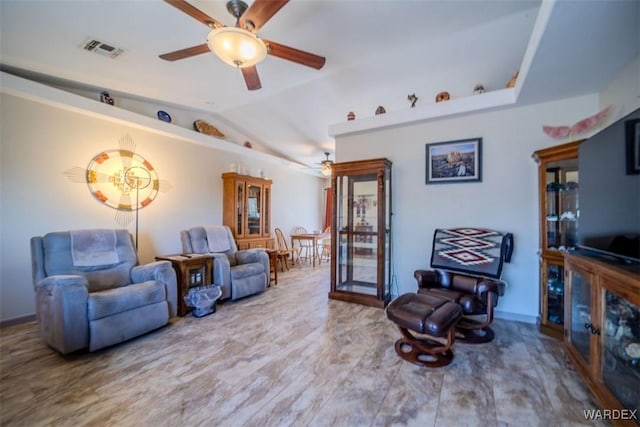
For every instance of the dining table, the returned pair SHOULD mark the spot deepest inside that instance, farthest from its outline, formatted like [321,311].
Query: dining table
[314,238]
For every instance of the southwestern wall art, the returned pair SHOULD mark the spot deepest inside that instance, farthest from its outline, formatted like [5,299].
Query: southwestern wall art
[121,179]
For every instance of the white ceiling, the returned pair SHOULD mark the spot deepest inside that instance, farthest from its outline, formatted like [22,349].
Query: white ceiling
[378,52]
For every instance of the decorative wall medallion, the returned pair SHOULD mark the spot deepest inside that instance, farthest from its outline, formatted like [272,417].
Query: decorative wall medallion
[121,179]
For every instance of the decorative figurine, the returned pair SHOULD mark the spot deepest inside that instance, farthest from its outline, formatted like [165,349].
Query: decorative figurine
[478,89]
[443,96]
[412,99]
[164,116]
[380,110]
[514,77]
[106,98]
[351,116]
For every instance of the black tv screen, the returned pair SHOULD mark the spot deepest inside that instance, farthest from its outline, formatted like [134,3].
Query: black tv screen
[609,191]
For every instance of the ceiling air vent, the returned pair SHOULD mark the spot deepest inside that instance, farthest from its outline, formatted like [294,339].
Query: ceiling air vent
[101,48]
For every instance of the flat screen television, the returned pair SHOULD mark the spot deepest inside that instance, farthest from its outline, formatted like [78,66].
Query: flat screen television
[609,191]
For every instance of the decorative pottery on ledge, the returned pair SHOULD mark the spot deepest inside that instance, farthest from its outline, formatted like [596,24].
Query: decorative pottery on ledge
[443,96]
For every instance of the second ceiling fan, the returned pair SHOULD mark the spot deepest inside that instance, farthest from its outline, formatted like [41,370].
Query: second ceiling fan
[239,46]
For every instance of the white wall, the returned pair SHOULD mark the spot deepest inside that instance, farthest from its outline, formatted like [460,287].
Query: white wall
[505,200]
[40,142]
[624,91]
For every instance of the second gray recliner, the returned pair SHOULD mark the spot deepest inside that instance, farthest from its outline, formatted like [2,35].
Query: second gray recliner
[239,273]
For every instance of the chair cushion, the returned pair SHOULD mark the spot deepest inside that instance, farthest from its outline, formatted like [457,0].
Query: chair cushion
[117,300]
[245,270]
[444,293]
[424,313]
[469,303]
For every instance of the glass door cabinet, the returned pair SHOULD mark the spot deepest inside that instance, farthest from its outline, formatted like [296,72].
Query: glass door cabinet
[558,182]
[246,209]
[602,330]
[361,232]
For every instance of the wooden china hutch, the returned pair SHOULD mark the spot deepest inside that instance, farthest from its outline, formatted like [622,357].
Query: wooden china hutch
[246,209]
[558,182]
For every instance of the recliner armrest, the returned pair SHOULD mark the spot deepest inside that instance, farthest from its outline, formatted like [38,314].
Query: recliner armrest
[427,278]
[222,273]
[61,308]
[162,271]
[248,256]
[490,285]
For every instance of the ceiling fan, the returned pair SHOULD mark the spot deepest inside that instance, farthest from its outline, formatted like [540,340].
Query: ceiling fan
[240,46]
[325,165]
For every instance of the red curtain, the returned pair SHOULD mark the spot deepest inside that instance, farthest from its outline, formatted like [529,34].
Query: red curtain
[328,207]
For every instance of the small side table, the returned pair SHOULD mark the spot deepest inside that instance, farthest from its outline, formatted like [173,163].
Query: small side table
[191,270]
[273,265]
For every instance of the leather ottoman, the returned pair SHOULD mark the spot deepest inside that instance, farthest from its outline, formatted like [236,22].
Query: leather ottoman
[434,319]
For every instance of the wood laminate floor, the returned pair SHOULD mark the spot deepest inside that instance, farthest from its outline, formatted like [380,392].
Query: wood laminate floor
[289,357]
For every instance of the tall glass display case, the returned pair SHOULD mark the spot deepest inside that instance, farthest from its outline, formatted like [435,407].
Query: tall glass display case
[361,232]
[558,182]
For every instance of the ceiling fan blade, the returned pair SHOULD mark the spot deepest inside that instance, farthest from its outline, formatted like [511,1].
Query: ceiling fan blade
[295,55]
[194,12]
[185,53]
[259,13]
[251,77]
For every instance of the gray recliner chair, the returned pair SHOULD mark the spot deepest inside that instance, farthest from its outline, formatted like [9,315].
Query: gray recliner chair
[91,292]
[239,273]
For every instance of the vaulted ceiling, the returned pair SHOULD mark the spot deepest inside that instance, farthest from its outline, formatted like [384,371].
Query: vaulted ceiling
[377,52]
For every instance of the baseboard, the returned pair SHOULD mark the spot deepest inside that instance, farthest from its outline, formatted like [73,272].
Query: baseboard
[17,320]
[515,316]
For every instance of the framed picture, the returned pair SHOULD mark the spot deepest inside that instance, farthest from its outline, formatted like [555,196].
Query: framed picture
[454,161]
[632,128]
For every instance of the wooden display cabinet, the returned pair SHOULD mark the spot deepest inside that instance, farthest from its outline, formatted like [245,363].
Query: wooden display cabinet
[361,232]
[192,270]
[246,209]
[602,330]
[558,181]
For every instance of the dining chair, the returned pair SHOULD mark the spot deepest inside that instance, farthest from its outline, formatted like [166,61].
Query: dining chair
[304,246]
[284,252]
[324,246]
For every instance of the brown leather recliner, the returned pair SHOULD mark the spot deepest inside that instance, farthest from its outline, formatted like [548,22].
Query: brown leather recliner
[476,296]
[466,266]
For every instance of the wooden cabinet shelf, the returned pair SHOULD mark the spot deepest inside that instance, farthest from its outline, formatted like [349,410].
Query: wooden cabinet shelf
[558,198]
[246,209]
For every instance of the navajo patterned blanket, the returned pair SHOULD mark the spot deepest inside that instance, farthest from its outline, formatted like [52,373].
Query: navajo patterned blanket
[475,251]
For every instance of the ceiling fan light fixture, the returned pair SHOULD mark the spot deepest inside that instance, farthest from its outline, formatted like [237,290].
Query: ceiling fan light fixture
[325,165]
[237,47]
[325,170]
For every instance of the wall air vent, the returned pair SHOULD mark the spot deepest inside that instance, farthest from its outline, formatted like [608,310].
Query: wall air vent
[101,48]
